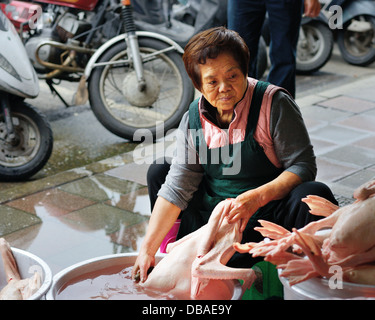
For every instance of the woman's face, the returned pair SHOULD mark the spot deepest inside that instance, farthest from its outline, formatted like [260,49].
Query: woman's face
[223,83]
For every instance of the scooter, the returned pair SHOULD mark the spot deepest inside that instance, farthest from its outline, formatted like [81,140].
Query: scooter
[165,16]
[351,23]
[26,138]
[354,23]
[315,44]
[134,79]
[179,20]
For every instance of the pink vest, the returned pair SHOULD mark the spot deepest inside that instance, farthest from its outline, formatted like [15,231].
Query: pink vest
[216,137]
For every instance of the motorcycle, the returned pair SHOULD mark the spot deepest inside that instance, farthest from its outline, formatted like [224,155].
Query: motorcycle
[168,17]
[354,23]
[133,79]
[185,18]
[26,138]
[315,44]
[164,67]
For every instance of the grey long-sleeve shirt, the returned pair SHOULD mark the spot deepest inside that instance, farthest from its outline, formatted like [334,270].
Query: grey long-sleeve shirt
[291,142]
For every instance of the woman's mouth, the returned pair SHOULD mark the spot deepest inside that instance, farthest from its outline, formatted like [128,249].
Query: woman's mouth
[225,98]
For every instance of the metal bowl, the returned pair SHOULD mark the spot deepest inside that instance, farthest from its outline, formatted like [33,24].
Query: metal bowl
[321,288]
[111,261]
[27,264]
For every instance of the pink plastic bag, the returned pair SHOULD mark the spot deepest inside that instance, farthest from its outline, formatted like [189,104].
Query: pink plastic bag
[171,236]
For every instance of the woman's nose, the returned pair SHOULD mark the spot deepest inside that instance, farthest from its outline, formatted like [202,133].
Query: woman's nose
[224,86]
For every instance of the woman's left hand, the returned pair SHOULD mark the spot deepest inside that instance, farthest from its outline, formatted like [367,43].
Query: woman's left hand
[243,207]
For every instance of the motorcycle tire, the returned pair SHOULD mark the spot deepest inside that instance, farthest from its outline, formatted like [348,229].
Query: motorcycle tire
[34,147]
[315,52]
[357,48]
[123,109]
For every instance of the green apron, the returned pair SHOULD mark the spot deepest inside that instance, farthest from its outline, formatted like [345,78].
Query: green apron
[255,170]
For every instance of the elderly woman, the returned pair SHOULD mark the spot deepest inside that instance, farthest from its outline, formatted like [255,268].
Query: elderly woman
[243,139]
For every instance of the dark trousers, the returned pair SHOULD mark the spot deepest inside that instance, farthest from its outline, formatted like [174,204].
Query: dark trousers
[284,18]
[289,212]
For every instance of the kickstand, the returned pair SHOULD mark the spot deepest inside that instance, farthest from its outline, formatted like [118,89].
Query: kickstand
[54,91]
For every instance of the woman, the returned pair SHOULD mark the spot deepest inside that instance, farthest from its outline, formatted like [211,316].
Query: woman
[243,139]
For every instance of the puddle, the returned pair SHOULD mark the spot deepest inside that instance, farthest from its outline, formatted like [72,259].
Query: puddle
[90,217]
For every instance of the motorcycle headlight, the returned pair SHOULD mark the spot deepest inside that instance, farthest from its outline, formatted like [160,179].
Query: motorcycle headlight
[5,65]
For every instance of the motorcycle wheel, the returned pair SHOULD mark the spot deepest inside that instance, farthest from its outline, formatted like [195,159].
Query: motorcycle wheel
[34,145]
[358,48]
[315,51]
[123,110]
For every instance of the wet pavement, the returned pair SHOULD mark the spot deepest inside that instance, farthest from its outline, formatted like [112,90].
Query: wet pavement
[102,208]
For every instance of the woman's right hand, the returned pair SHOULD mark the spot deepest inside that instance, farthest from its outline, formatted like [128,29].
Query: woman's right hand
[142,264]
[162,219]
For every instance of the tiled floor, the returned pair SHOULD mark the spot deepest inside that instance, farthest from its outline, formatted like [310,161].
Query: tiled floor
[342,129]
[89,217]
[103,208]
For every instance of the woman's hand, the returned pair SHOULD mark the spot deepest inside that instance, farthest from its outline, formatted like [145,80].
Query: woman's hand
[246,204]
[162,219]
[141,266]
[243,207]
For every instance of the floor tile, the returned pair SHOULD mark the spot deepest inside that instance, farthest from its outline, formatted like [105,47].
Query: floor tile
[101,217]
[350,104]
[357,179]
[133,172]
[341,191]
[337,134]
[321,146]
[313,124]
[12,219]
[364,93]
[367,143]
[320,113]
[56,202]
[100,187]
[371,112]
[26,188]
[23,238]
[352,155]
[329,171]
[136,201]
[362,122]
